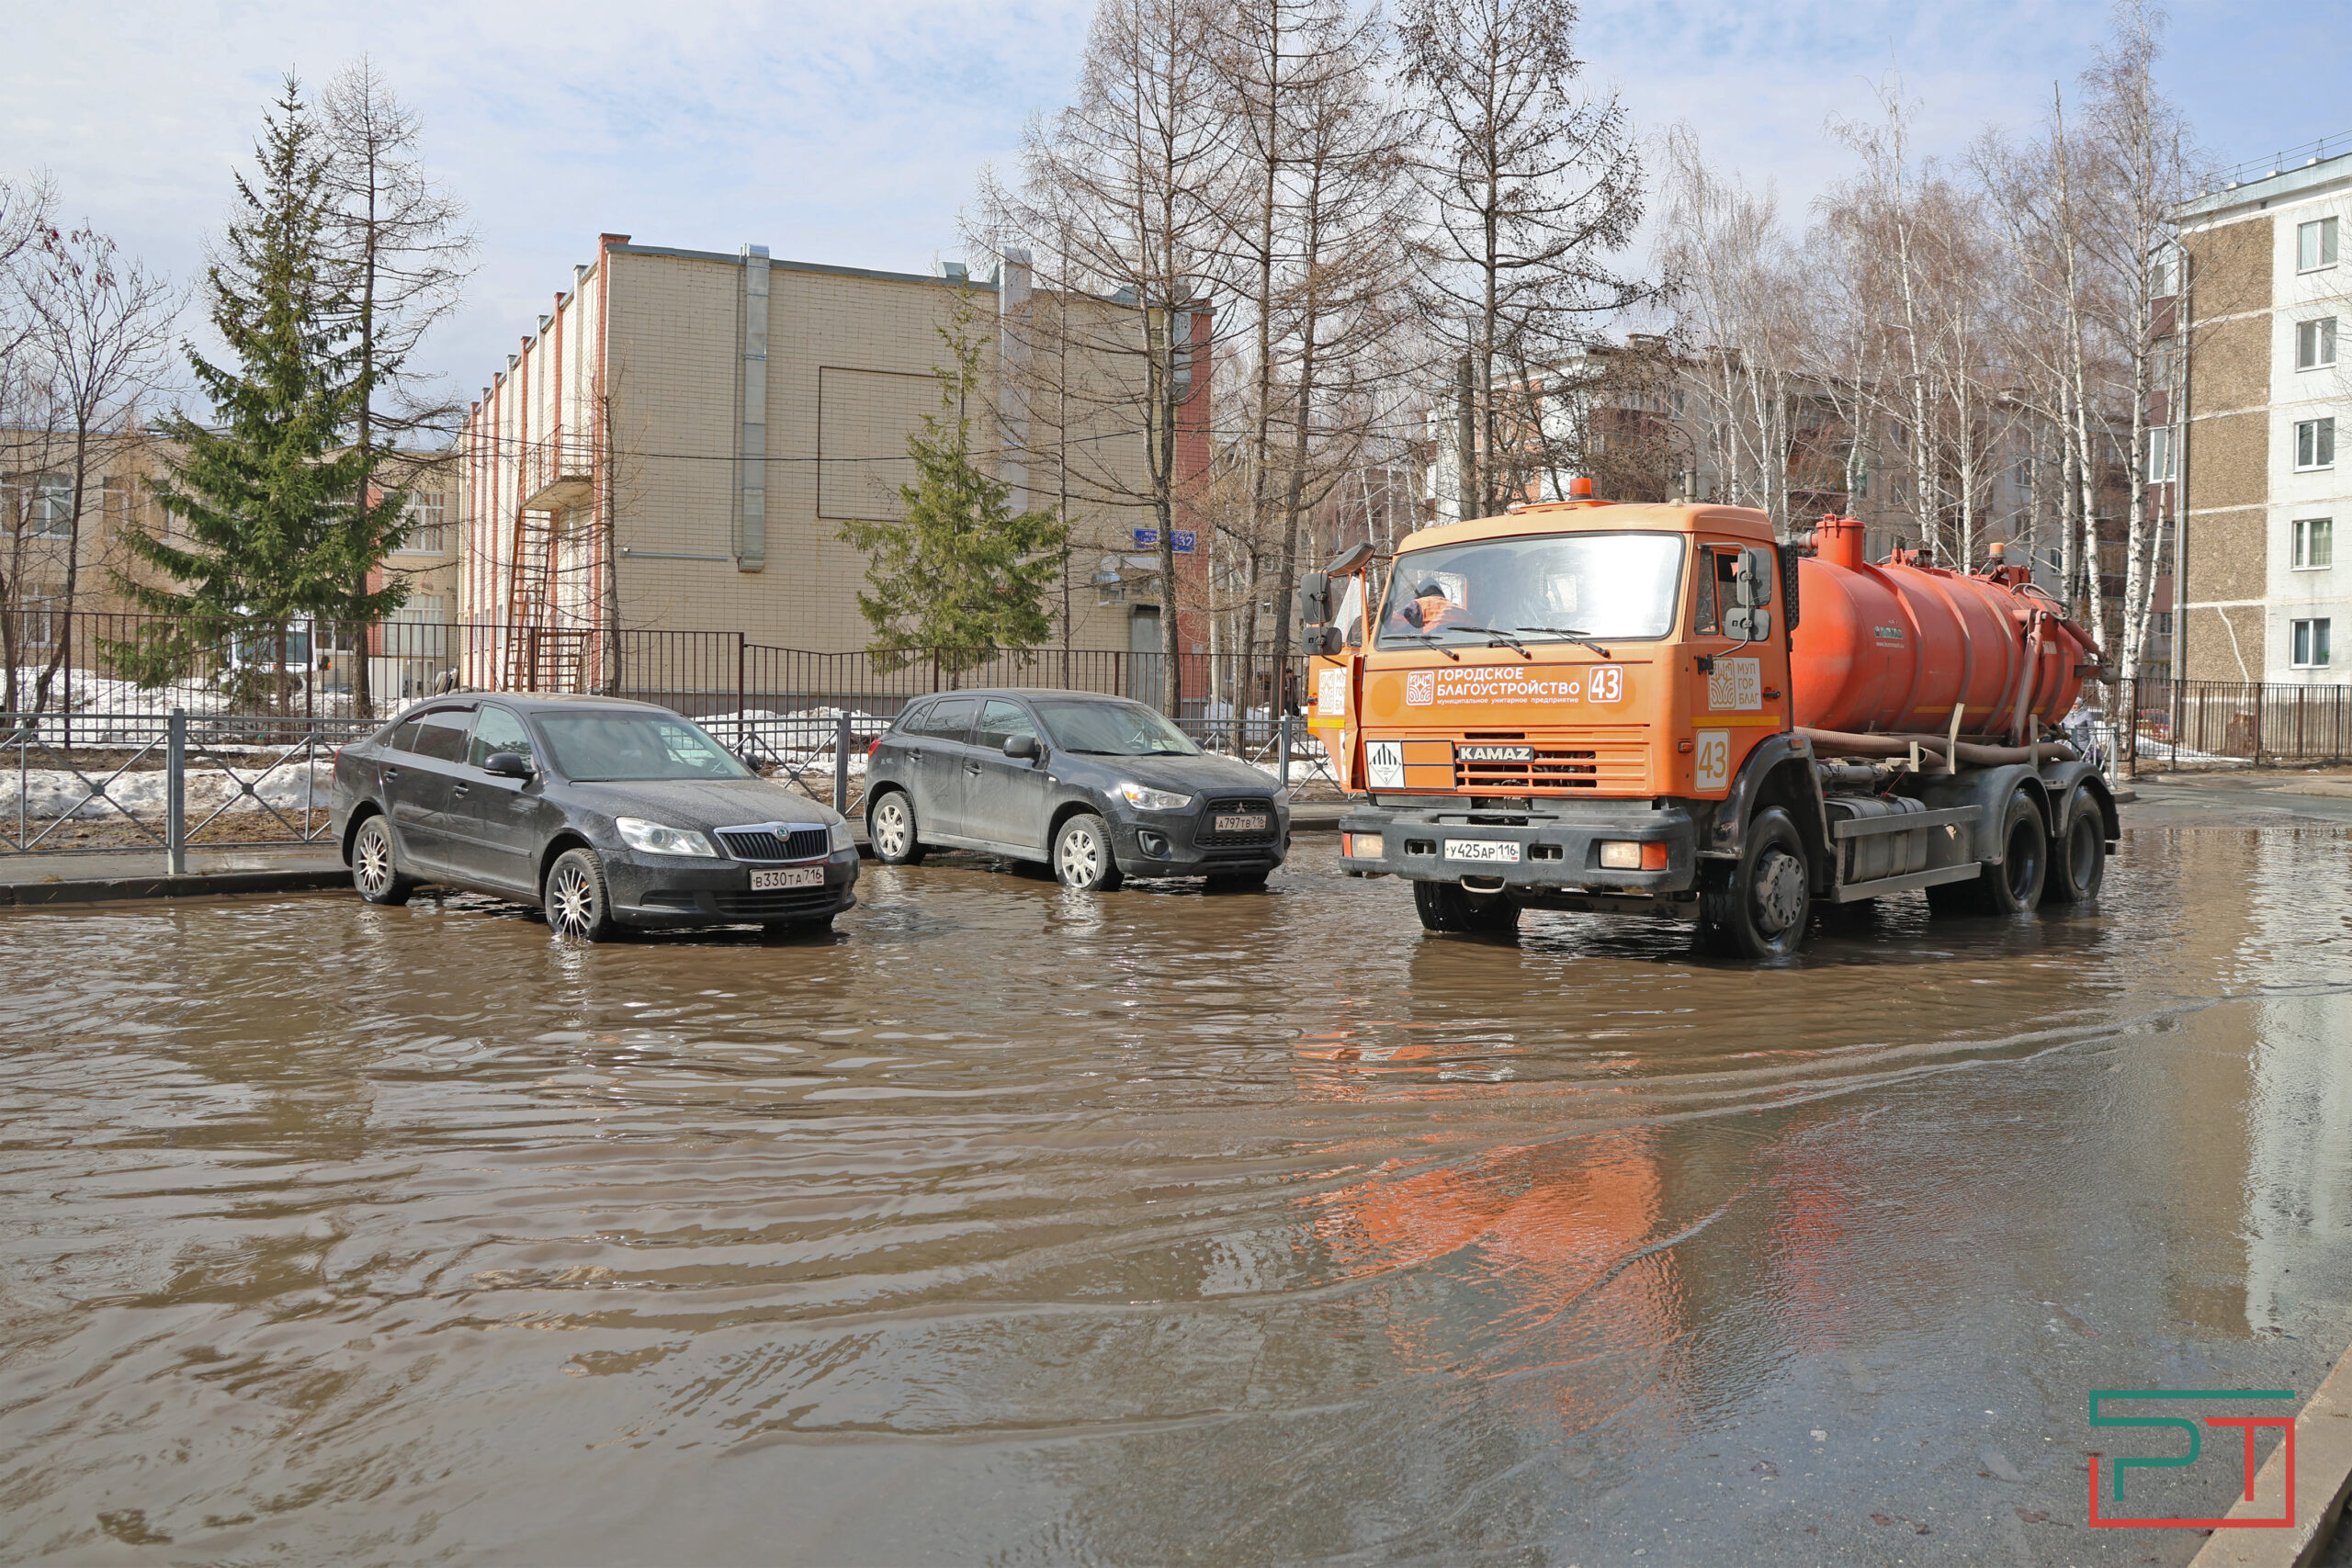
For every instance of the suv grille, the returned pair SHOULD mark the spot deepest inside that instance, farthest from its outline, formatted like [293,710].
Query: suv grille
[1207,838]
[802,843]
[777,905]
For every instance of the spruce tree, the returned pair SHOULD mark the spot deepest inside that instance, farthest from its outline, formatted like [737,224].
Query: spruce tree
[269,498]
[962,575]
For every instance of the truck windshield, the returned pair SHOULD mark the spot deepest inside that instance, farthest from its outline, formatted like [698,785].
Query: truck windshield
[1535,587]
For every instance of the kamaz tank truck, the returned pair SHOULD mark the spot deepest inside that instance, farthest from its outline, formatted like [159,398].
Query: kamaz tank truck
[1656,711]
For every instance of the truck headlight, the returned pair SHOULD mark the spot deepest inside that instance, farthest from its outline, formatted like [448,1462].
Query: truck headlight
[1624,854]
[1144,798]
[842,838]
[1363,846]
[654,838]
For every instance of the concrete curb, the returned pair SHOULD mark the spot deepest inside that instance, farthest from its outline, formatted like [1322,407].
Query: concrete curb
[2323,1481]
[98,890]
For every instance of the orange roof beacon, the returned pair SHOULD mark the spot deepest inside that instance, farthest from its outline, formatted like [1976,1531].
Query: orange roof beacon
[1655,710]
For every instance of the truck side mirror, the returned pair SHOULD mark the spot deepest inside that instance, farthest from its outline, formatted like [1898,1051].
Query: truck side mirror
[1329,642]
[1314,599]
[1748,623]
[1751,581]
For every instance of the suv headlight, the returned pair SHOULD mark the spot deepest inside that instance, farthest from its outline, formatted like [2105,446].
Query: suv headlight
[1282,798]
[653,839]
[1144,798]
[842,838]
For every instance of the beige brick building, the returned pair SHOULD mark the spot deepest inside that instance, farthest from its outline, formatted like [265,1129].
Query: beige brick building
[2268,287]
[676,444]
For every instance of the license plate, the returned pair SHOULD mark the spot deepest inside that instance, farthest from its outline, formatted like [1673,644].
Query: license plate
[1252,824]
[790,876]
[1482,849]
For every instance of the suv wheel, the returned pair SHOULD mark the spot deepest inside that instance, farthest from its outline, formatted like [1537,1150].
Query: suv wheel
[1082,857]
[890,827]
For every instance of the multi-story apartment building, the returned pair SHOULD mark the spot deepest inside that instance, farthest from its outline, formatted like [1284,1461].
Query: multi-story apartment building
[2264,291]
[677,446]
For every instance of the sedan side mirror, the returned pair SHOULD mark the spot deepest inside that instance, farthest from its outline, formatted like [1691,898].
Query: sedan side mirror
[1021,746]
[507,766]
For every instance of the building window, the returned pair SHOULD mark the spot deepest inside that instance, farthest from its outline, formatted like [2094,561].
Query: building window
[2164,623]
[427,519]
[2314,543]
[2315,343]
[2159,455]
[2310,644]
[2315,244]
[2314,444]
[49,510]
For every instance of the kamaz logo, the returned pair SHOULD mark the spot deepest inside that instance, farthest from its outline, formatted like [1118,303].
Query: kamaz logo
[1495,753]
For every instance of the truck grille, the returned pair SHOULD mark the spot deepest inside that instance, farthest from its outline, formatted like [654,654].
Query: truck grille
[1612,767]
[1207,840]
[801,843]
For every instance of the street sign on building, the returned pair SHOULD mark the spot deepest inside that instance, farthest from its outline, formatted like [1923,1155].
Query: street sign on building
[1148,539]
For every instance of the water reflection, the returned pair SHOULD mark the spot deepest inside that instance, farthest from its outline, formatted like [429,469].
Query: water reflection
[1019,1223]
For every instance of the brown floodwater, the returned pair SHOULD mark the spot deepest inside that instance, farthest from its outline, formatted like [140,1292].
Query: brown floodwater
[1013,1225]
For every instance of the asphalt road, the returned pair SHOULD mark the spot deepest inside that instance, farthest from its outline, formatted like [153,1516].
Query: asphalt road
[1019,1225]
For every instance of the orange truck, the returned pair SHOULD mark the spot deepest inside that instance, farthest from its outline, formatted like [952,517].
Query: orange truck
[1659,711]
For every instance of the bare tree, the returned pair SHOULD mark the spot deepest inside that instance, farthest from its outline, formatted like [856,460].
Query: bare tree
[402,240]
[1117,202]
[1530,188]
[100,328]
[2137,158]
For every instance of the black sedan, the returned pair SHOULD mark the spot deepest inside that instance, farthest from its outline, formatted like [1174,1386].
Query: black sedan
[1097,787]
[605,812]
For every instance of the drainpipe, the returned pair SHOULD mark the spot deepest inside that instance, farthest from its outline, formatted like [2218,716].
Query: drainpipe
[751,543]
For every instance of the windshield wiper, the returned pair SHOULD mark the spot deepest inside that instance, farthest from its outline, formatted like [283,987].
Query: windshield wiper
[1499,637]
[1582,639]
[1424,637]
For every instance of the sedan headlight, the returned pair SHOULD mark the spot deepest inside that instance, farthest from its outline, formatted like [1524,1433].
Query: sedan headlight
[842,838]
[1144,798]
[653,839]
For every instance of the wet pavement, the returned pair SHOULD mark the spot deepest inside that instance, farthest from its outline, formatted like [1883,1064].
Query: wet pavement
[1016,1226]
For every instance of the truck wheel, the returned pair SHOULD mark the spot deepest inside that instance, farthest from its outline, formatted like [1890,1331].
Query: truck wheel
[1758,907]
[2014,886]
[1449,907]
[2079,855]
[890,829]
[1082,856]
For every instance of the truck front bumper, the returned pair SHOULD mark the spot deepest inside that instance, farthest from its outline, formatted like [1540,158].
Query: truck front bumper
[1557,858]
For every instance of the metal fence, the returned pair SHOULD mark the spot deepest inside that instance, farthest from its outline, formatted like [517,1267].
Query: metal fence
[2177,723]
[212,781]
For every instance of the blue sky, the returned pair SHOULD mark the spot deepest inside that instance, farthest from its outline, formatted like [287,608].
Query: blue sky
[850,131]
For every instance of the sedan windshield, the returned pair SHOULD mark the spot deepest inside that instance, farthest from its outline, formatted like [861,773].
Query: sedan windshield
[1112,729]
[604,748]
[1554,585]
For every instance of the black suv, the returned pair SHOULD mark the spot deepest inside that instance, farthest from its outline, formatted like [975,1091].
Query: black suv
[1098,787]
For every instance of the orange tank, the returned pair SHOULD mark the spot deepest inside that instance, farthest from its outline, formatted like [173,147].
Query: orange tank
[1892,648]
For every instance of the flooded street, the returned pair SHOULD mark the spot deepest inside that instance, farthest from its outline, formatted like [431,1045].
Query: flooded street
[1018,1225]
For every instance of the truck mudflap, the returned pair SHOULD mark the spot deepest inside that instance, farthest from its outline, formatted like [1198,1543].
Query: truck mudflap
[1542,857]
